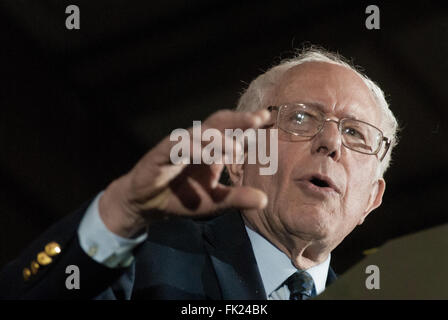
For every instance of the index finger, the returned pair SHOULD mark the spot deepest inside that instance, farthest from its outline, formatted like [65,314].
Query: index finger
[228,119]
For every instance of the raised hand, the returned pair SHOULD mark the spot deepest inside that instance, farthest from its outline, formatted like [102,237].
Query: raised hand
[156,187]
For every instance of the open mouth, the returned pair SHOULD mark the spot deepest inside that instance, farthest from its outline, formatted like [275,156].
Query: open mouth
[319,182]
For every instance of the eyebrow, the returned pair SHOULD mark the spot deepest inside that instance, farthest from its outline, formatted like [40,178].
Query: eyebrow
[321,108]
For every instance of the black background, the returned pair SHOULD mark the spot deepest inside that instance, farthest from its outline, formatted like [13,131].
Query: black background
[80,107]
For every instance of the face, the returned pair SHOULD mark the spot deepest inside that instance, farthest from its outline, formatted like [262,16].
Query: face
[298,211]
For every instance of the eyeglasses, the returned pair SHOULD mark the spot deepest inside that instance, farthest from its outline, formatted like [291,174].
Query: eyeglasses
[303,122]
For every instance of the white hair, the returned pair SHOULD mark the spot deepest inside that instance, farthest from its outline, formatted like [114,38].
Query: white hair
[260,89]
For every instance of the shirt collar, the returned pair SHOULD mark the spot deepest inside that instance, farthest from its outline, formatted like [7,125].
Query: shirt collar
[275,266]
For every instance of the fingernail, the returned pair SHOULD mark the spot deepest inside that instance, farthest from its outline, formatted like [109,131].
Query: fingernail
[264,200]
[265,114]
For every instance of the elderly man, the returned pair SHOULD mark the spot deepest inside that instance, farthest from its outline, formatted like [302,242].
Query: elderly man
[262,237]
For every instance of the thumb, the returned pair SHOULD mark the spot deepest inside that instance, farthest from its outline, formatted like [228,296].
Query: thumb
[242,197]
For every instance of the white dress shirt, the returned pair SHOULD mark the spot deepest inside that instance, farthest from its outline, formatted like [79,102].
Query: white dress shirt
[101,244]
[275,267]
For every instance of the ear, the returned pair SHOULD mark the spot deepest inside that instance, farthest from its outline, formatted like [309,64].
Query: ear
[375,198]
[236,173]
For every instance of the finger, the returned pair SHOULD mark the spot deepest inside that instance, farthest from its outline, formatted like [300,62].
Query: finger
[189,199]
[196,146]
[152,176]
[207,176]
[195,187]
[221,120]
[227,119]
[230,148]
[242,197]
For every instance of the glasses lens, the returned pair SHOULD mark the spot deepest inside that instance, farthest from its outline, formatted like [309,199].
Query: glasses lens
[304,121]
[361,136]
[300,119]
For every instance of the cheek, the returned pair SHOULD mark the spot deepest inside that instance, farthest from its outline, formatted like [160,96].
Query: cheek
[359,187]
[292,153]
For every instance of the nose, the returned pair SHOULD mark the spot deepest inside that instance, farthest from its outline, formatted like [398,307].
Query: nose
[328,140]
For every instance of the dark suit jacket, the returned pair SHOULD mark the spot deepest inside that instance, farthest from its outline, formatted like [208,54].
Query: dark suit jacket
[181,259]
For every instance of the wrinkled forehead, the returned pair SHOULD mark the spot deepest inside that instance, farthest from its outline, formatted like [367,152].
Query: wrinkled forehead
[339,90]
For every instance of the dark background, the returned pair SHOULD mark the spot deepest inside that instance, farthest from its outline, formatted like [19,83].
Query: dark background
[80,107]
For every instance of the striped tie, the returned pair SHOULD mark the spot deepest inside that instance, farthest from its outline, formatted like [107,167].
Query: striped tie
[301,286]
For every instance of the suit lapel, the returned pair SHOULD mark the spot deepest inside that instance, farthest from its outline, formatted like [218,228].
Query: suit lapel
[232,257]
[331,277]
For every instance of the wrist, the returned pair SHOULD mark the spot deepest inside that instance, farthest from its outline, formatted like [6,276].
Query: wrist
[116,215]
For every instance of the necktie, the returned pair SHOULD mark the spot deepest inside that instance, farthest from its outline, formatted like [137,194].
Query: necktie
[301,286]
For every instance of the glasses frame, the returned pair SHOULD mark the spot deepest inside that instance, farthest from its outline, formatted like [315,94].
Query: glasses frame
[384,139]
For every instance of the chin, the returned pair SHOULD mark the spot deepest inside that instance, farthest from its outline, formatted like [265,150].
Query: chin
[310,225]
